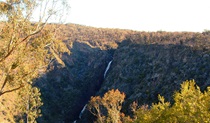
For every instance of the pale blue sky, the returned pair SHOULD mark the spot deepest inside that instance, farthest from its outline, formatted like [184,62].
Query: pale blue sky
[143,15]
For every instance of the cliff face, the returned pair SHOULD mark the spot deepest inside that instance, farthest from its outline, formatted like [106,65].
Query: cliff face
[65,90]
[144,71]
[144,65]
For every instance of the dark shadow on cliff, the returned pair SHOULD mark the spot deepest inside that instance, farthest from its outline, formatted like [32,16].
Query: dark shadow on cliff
[65,90]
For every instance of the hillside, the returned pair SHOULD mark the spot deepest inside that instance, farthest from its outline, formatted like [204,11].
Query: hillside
[144,64]
[90,51]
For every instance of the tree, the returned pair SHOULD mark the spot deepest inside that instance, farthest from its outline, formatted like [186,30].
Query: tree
[191,105]
[107,108]
[112,101]
[28,104]
[25,45]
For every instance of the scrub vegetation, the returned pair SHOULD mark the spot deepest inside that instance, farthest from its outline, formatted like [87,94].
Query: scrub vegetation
[49,71]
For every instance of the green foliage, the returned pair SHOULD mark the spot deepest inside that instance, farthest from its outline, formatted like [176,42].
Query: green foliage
[24,45]
[191,105]
[25,54]
[107,108]
[28,104]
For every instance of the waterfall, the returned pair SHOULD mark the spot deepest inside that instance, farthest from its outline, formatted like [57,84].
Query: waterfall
[80,115]
[107,68]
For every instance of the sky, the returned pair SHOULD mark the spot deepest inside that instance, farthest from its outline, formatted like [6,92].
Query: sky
[142,15]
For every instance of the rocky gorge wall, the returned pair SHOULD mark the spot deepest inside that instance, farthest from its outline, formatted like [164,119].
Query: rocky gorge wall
[66,90]
[144,65]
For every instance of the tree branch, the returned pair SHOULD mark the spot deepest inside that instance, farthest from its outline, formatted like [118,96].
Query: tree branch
[6,78]
[8,91]
[24,40]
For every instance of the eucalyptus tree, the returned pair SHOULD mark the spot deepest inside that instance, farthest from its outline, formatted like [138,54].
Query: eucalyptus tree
[27,46]
[24,40]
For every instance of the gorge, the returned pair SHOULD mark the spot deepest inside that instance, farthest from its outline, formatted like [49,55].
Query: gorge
[144,65]
[84,108]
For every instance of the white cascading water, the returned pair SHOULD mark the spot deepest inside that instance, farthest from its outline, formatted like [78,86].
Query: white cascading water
[80,115]
[107,68]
